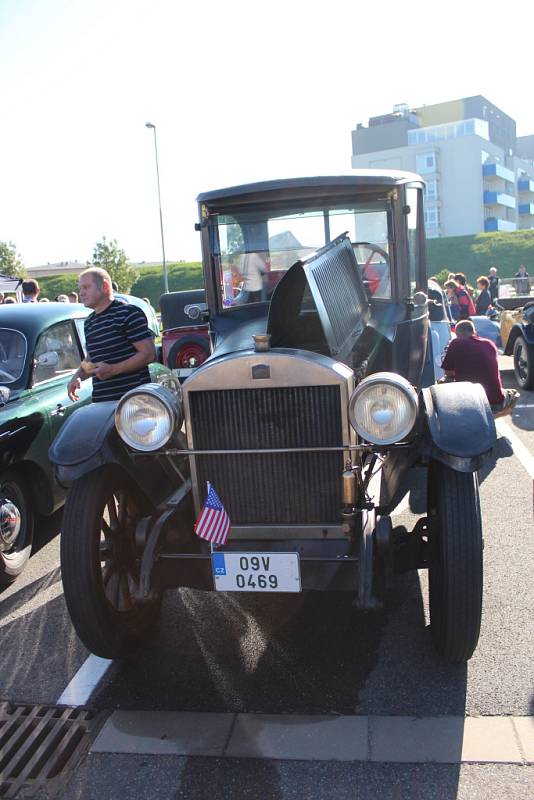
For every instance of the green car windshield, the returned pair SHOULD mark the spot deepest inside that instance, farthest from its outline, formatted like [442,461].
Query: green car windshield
[12,355]
[254,249]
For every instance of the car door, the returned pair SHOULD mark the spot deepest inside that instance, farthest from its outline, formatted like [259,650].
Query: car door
[57,356]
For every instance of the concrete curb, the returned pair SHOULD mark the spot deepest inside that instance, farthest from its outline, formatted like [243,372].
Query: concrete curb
[442,740]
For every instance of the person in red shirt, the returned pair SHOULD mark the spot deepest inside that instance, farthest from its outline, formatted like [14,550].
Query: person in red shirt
[471,358]
[460,301]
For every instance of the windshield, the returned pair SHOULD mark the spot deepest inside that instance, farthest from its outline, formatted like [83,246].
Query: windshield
[253,250]
[12,355]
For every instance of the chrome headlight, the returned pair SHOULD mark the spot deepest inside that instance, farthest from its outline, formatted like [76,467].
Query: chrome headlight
[147,417]
[383,408]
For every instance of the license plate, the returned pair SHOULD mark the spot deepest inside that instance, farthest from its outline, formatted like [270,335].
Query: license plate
[256,572]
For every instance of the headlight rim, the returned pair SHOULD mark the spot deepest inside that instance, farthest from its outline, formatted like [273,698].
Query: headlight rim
[168,400]
[391,379]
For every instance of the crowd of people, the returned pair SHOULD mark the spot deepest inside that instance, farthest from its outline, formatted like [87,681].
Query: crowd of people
[470,357]
[465,302]
[30,294]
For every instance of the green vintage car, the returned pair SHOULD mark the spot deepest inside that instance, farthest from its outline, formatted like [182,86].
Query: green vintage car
[41,345]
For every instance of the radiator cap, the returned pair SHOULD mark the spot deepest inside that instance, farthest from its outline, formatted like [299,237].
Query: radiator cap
[262,342]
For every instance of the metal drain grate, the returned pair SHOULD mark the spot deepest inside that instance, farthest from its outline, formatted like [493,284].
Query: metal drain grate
[38,743]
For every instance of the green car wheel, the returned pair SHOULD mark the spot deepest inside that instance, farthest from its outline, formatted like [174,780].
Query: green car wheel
[16,527]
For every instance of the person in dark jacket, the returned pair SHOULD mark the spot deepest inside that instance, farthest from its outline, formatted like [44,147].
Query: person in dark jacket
[493,284]
[522,280]
[483,301]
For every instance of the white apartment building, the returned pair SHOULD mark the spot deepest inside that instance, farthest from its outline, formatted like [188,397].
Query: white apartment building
[479,176]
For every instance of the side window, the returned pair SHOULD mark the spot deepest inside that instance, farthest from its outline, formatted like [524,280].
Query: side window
[57,353]
[80,328]
[412,234]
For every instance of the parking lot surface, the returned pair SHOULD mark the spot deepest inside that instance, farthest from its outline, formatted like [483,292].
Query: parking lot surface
[308,654]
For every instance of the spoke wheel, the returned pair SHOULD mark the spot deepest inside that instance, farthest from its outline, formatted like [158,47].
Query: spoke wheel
[455,568]
[100,566]
[524,363]
[15,542]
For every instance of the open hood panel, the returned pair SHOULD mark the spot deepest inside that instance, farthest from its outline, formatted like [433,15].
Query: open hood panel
[326,292]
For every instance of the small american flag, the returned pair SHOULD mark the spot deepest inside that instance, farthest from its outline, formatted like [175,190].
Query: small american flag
[213,523]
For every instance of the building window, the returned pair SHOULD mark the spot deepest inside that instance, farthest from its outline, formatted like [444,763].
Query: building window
[426,163]
[452,130]
[432,217]
[431,190]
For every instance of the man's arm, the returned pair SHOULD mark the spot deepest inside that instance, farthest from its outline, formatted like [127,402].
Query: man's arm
[74,383]
[145,355]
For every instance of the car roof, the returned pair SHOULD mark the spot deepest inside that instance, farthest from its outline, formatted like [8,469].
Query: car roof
[359,178]
[32,318]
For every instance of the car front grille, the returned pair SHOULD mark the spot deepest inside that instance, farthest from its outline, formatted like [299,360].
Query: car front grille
[271,488]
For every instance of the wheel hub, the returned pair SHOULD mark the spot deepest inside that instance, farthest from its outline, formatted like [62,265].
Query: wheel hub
[9,524]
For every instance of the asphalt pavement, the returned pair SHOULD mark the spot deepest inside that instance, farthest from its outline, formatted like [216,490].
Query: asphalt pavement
[300,654]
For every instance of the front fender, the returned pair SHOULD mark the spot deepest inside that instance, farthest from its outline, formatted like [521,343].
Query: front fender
[460,424]
[84,441]
[88,440]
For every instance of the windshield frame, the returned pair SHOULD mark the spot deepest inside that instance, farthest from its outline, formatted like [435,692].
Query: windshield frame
[265,212]
[24,358]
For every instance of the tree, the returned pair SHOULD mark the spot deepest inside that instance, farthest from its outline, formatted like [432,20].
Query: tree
[10,263]
[109,256]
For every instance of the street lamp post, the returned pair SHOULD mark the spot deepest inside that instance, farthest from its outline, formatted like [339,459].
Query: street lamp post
[165,274]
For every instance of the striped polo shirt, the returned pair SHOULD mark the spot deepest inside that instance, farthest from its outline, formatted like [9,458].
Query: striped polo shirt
[109,337]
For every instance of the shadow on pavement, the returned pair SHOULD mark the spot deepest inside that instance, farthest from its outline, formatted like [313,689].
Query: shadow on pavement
[18,598]
[30,665]
[47,528]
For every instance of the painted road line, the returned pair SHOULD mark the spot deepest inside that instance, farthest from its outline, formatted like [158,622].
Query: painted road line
[82,686]
[415,740]
[523,453]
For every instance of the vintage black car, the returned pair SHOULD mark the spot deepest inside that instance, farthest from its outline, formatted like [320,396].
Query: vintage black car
[307,419]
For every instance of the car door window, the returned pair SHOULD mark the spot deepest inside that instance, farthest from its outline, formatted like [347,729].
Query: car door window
[61,341]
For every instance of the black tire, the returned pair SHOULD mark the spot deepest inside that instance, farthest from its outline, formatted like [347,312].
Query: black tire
[14,559]
[198,346]
[92,557]
[455,569]
[524,363]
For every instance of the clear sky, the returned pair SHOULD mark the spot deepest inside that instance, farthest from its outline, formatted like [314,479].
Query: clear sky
[239,91]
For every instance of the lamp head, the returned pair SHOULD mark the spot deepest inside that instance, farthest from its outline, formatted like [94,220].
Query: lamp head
[149,125]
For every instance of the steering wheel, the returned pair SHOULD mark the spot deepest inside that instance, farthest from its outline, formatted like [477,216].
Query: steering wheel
[6,374]
[371,283]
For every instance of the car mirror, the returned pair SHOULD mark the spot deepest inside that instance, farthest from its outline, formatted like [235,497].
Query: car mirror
[5,394]
[420,299]
[50,359]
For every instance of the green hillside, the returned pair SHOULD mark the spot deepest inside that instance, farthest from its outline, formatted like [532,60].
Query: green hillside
[149,284]
[475,254]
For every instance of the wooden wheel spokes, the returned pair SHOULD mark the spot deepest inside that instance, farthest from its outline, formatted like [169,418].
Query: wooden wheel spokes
[118,578]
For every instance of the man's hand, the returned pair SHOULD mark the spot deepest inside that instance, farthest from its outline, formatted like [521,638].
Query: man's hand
[72,388]
[104,371]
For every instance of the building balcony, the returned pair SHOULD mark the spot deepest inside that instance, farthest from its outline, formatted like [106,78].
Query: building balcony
[525,185]
[492,224]
[499,199]
[497,171]
[526,208]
